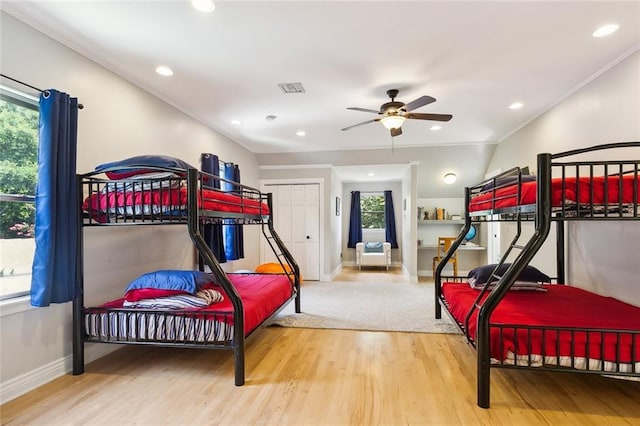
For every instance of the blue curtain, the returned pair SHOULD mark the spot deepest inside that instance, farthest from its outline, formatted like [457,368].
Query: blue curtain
[389,220]
[213,235]
[355,220]
[54,275]
[233,233]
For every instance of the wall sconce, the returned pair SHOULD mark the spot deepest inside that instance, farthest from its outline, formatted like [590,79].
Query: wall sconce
[449,178]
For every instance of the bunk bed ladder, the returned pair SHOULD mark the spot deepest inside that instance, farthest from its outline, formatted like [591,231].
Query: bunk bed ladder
[494,278]
[284,256]
[542,227]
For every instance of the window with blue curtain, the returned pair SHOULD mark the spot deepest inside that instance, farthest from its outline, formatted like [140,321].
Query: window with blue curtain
[355,220]
[213,235]
[372,211]
[232,232]
[54,277]
[225,240]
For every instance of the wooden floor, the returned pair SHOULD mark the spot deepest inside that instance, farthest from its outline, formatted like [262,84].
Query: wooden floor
[320,377]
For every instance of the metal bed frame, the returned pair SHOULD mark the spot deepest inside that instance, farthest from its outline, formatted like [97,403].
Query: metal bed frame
[543,214]
[176,322]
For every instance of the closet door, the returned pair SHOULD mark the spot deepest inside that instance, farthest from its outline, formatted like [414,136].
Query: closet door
[297,221]
[310,224]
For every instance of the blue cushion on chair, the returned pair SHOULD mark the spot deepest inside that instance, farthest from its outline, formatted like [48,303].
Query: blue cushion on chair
[373,247]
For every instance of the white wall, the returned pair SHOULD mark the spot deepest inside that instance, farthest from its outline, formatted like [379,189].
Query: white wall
[602,256]
[118,120]
[336,254]
[410,223]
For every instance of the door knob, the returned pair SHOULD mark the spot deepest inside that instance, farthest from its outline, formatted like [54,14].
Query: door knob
[308,237]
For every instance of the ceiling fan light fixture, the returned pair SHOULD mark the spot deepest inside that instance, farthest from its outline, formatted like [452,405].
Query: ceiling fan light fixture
[392,121]
[449,178]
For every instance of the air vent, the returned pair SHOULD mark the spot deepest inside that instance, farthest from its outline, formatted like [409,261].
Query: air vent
[291,87]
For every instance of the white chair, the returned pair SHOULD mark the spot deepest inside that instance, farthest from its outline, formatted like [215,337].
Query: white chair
[373,253]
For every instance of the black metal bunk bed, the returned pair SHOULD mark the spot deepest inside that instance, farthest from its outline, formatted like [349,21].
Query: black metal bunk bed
[601,191]
[195,204]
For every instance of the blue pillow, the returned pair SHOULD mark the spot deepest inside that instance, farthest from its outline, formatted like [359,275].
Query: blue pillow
[142,161]
[373,247]
[528,274]
[189,281]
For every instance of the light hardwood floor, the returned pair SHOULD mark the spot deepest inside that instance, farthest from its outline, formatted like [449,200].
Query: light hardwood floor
[320,377]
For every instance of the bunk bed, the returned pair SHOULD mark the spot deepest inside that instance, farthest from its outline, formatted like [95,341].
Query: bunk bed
[554,326]
[237,305]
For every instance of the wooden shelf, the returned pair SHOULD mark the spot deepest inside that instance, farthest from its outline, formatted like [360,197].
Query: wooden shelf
[441,222]
[468,246]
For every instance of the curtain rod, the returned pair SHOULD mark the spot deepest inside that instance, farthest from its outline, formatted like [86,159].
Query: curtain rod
[372,192]
[80,106]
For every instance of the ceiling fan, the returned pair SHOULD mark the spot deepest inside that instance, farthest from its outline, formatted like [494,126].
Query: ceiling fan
[395,113]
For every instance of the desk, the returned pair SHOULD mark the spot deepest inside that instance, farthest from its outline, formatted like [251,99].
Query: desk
[470,255]
[468,246]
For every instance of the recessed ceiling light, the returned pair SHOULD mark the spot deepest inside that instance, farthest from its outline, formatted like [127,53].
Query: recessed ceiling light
[166,71]
[301,133]
[516,105]
[206,6]
[236,122]
[449,178]
[605,30]
[371,174]
[436,127]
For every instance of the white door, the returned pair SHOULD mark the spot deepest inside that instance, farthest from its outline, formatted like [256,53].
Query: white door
[296,219]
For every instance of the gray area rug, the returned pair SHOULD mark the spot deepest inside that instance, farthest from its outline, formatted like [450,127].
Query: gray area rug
[375,306]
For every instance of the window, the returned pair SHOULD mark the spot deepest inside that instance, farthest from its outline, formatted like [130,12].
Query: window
[18,173]
[372,210]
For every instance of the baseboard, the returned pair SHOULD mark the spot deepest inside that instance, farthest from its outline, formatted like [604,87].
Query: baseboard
[26,382]
[333,274]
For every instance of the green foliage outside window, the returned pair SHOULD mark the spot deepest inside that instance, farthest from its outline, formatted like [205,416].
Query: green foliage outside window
[372,209]
[18,167]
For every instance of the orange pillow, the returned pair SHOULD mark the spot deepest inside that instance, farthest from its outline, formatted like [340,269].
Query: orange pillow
[273,268]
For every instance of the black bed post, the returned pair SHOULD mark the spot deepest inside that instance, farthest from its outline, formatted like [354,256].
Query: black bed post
[78,300]
[483,329]
[560,251]
[437,279]
[210,260]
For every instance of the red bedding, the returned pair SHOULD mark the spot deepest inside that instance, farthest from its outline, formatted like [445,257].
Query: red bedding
[560,306]
[261,296]
[508,196]
[166,201]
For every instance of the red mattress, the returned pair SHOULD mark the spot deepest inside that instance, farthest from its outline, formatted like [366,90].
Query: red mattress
[169,201]
[559,306]
[575,190]
[261,296]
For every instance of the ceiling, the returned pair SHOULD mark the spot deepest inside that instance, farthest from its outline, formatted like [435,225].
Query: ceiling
[475,58]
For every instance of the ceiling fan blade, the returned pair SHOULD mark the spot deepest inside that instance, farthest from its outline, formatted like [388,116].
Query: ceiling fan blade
[364,110]
[420,102]
[396,132]
[360,124]
[433,117]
